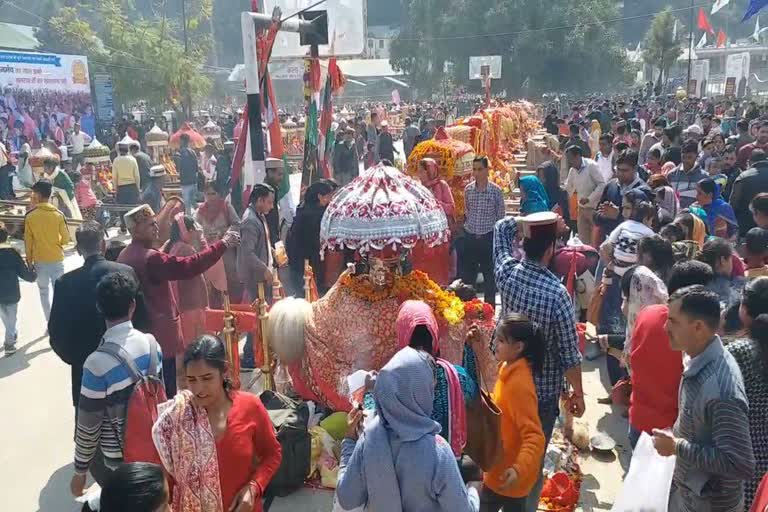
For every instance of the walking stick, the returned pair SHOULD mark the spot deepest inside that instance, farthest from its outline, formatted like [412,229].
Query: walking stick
[266,369]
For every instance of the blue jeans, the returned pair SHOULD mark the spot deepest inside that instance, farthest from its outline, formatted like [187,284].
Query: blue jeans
[47,274]
[634,436]
[8,317]
[189,195]
[548,413]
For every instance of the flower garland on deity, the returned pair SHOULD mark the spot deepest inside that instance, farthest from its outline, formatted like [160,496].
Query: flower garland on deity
[414,285]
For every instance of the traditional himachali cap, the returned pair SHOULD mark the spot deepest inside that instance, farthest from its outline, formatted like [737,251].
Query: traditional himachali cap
[134,216]
[274,163]
[156,171]
[542,224]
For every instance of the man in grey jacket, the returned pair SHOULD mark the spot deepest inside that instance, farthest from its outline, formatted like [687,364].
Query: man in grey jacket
[711,438]
[255,261]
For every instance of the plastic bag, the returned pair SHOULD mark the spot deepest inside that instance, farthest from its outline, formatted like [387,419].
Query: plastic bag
[324,458]
[648,482]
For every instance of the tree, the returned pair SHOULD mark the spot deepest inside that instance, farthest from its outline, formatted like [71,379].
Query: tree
[145,55]
[662,45]
[559,45]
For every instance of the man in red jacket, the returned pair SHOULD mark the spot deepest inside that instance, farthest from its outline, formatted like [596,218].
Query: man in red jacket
[656,368]
[155,271]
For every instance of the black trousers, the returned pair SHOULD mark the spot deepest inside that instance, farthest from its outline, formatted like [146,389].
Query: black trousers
[492,502]
[478,255]
[169,376]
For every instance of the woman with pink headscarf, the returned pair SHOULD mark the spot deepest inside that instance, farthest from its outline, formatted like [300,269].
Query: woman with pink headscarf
[191,294]
[433,259]
[455,386]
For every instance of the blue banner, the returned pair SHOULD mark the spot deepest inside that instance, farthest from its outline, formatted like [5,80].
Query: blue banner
[31,58]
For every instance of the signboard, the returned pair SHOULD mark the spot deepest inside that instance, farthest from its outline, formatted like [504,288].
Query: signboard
[53,83]
[346,27]
[292,69]
[699,79]
[737,74]
[102,87]
[488,66]
[44,71]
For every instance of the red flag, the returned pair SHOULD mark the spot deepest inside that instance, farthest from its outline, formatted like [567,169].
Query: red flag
[721,39]
[704,23]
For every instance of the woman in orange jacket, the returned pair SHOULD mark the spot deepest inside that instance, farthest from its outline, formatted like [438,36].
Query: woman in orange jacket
[520,350]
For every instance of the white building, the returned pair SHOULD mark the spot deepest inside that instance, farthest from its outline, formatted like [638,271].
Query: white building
[379,41]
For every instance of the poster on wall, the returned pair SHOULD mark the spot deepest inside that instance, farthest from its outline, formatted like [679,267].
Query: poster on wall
[699,79]
[737,74]
[102,88]
[43,94]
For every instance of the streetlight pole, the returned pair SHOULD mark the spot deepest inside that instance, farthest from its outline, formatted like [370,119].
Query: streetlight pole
[690,49]
[187,91]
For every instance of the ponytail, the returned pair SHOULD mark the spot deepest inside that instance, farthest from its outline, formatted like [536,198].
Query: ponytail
[517,327]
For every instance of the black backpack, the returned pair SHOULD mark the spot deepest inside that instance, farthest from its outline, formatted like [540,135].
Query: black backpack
[290,419]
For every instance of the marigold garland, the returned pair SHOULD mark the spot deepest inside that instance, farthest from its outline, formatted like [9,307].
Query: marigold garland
[415,285]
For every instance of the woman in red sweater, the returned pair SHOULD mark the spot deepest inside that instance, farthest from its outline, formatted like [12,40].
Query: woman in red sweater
[656,368]
[217,445]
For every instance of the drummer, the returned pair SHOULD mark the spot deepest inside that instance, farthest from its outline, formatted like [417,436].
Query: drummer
[125,175]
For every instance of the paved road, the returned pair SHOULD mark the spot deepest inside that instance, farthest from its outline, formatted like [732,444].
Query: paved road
[36,426]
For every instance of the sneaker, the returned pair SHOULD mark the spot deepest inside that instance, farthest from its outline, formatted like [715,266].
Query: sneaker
[9,349]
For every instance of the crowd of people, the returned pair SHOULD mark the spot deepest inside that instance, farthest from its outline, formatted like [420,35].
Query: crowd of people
[652,212]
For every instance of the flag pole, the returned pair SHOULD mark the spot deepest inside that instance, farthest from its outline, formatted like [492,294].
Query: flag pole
[690,48]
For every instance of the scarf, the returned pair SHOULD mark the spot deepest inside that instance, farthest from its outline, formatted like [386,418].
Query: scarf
[185,442]
[433,172]
[699,234]
[412,314]
[670,204]
[646,289]
[551,177]
[719,209]
[216,274]
[212,209]
[404,396]
[536,199]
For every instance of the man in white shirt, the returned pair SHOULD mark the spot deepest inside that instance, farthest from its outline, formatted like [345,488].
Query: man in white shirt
[78,140]
[587,182]
[605,157]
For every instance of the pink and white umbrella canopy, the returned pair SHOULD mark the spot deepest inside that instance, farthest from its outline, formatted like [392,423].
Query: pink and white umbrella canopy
[383,207]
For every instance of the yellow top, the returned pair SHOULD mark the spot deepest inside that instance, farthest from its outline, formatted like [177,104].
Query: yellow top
[45,234]
[125,171]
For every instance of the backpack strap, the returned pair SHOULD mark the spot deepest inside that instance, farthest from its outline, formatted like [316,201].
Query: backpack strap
[124,358]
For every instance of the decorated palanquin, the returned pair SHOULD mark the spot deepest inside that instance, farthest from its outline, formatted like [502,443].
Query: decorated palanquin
[454,158]
[353,326]
[498,132]
[97,168]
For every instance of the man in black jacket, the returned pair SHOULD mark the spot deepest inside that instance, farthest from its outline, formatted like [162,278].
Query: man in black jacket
[750,183]
[76,325]
[608,214]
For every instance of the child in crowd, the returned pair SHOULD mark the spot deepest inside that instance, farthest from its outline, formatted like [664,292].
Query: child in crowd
[520,349]
[621,246]
[756,253]
[12,267]
[85,197]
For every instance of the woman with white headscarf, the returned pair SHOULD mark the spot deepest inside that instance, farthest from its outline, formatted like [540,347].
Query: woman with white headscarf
[400,462]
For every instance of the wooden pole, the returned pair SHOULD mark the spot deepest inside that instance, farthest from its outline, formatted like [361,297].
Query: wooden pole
[266,369]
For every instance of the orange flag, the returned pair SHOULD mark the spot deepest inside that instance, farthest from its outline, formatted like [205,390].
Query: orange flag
[721,39]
